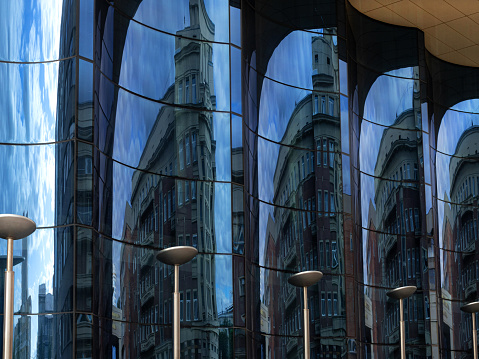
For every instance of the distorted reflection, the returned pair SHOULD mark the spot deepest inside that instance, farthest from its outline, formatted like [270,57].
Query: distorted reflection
[35,287]
[303,172]
[457,174]
[171,199]
[391,165]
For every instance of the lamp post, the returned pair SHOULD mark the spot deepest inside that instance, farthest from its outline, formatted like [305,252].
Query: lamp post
[472,308]
[176,256]
[401,293]
[12,227]
[304,280]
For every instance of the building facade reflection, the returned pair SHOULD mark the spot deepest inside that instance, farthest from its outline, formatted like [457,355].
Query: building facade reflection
[166,212]
[311,237]
[275,139]
[394,252]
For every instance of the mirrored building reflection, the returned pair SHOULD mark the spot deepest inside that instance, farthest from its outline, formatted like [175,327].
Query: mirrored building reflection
[275,137]
[458,182]
[307,178]
[166,210]
[394,250]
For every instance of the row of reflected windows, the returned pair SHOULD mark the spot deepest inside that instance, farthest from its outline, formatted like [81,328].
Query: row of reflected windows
[305,166]
[414,309]
[411,221]
[468,188]
[467,235]
[187,90]
[398,270]
[327,111]
[184,147]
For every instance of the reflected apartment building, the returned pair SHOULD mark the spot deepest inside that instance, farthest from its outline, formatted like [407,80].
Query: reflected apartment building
[164,211]
[309,238]
[460,236]
[393,247]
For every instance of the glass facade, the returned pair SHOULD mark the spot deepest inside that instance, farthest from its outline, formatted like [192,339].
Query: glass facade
[274,139]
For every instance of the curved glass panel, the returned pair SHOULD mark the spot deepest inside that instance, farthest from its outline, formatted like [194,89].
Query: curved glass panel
[162,210]
[299,194]
[31,30]
[196,143]
[393,156]
[457,175]
[301,175]
[302,240]
[187,72]
[28,184]
[381,322]
[174,17]
[36,334]
[42,271]
[143,287]
[28,102]
[316,69]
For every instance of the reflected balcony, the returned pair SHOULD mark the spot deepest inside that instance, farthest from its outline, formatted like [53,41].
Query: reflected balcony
[420,327]
[84,281]
[290,256]
[390,203]
[84,331]
[470,289]
[469,248]
[291,344]
[290,297]
[390,241]
[148,239]
[339,323]
[150,196]
[393,337]
[148,294]
[147,259]
[149,342]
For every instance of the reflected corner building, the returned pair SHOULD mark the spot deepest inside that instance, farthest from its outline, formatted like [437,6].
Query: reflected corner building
[308,239]
[274,139]
[165,211]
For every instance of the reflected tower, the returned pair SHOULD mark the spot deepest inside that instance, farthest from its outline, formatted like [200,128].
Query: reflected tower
[460,236]
[175,207]
[395,257]
[309,238]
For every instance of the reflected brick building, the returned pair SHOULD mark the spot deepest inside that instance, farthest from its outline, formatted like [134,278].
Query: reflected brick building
[165,212]
[460,236]
[309,238]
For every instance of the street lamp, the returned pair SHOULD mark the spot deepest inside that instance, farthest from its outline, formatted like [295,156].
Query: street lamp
[304,280]
[12,227]
[401,293]
[176,256]
[472,308]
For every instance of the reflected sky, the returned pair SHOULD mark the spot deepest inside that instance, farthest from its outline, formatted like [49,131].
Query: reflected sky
[30,30]
[388,97]
[455,122]
[28,97]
